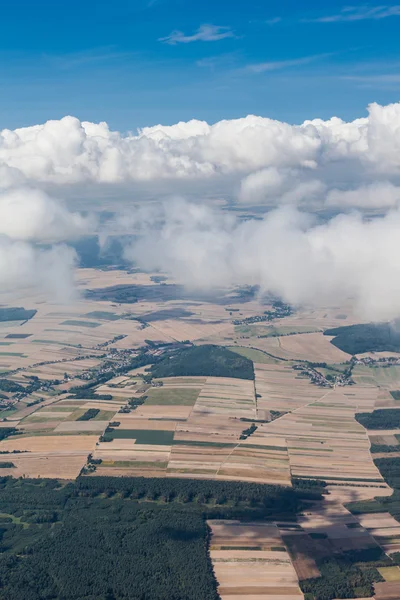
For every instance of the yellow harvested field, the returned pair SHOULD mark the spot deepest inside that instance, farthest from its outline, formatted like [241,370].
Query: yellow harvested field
[332,520]
[384,528]
[248,564]
[324,440]
[51,443]
[41,464]
[130,422]
[282,389]
[313,347]
[390,573]
[184,330]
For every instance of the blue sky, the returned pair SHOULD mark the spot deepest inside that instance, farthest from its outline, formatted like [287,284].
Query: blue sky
[140,62]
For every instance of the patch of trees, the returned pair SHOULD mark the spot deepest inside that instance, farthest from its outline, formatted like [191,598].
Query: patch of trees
[271,499]
[16,314]
[249,431]
[368,337]
[6,465]
[7,385]
[89,394]
[375,448]
[6,432]
[388,418]
[91,413]
[276,414]
[207,360]
[349,575]
[308,484]
[390,470]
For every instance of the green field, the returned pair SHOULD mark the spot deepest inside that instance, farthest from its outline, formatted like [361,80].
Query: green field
[380,376]
[256,356]
[80,323]
[104,415]
[258,329]
[142,436]
[163,396]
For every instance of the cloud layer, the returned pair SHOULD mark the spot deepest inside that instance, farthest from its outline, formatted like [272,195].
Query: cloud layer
[70,151]
[287,253]
[254,160]
[333,166]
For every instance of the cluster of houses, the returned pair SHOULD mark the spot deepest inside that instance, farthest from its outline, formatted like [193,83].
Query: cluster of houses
[327,381]
[278,311]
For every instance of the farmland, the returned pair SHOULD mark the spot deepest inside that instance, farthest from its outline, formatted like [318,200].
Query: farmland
[136,379]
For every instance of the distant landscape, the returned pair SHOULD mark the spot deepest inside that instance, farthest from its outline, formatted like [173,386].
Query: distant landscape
[200,436]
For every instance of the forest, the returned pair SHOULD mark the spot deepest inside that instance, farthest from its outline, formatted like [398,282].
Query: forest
[368,337]
[388,418]
[207,360]
[347,575]
[59,541]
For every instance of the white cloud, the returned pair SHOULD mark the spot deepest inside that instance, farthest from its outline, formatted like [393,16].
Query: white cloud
[380,195]
[252,148]
[205,33]
[31,215]
[286,253]
[31,258]
[25,267]
[359,13]
[284,64]
[68,151]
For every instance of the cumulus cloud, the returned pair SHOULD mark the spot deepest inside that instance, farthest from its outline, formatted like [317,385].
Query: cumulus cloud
[379,195]
[27,214]
[70,151]
[32,225]
[280,186]
[287,253]
[24,267]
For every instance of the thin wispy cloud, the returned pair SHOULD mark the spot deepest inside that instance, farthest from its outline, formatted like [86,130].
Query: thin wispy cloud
[273,21]
[389,78]
[85,58]
[284,64]
[205,33]
[358,13]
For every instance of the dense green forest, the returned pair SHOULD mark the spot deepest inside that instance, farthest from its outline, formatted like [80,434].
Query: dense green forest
[348,575]
[387,418]
[207,360]
[16,314]
[368,337]
[375,448]
[120,538]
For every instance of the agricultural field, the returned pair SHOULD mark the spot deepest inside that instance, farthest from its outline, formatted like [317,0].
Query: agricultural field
[191,427]
[163,417]
[250,561]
